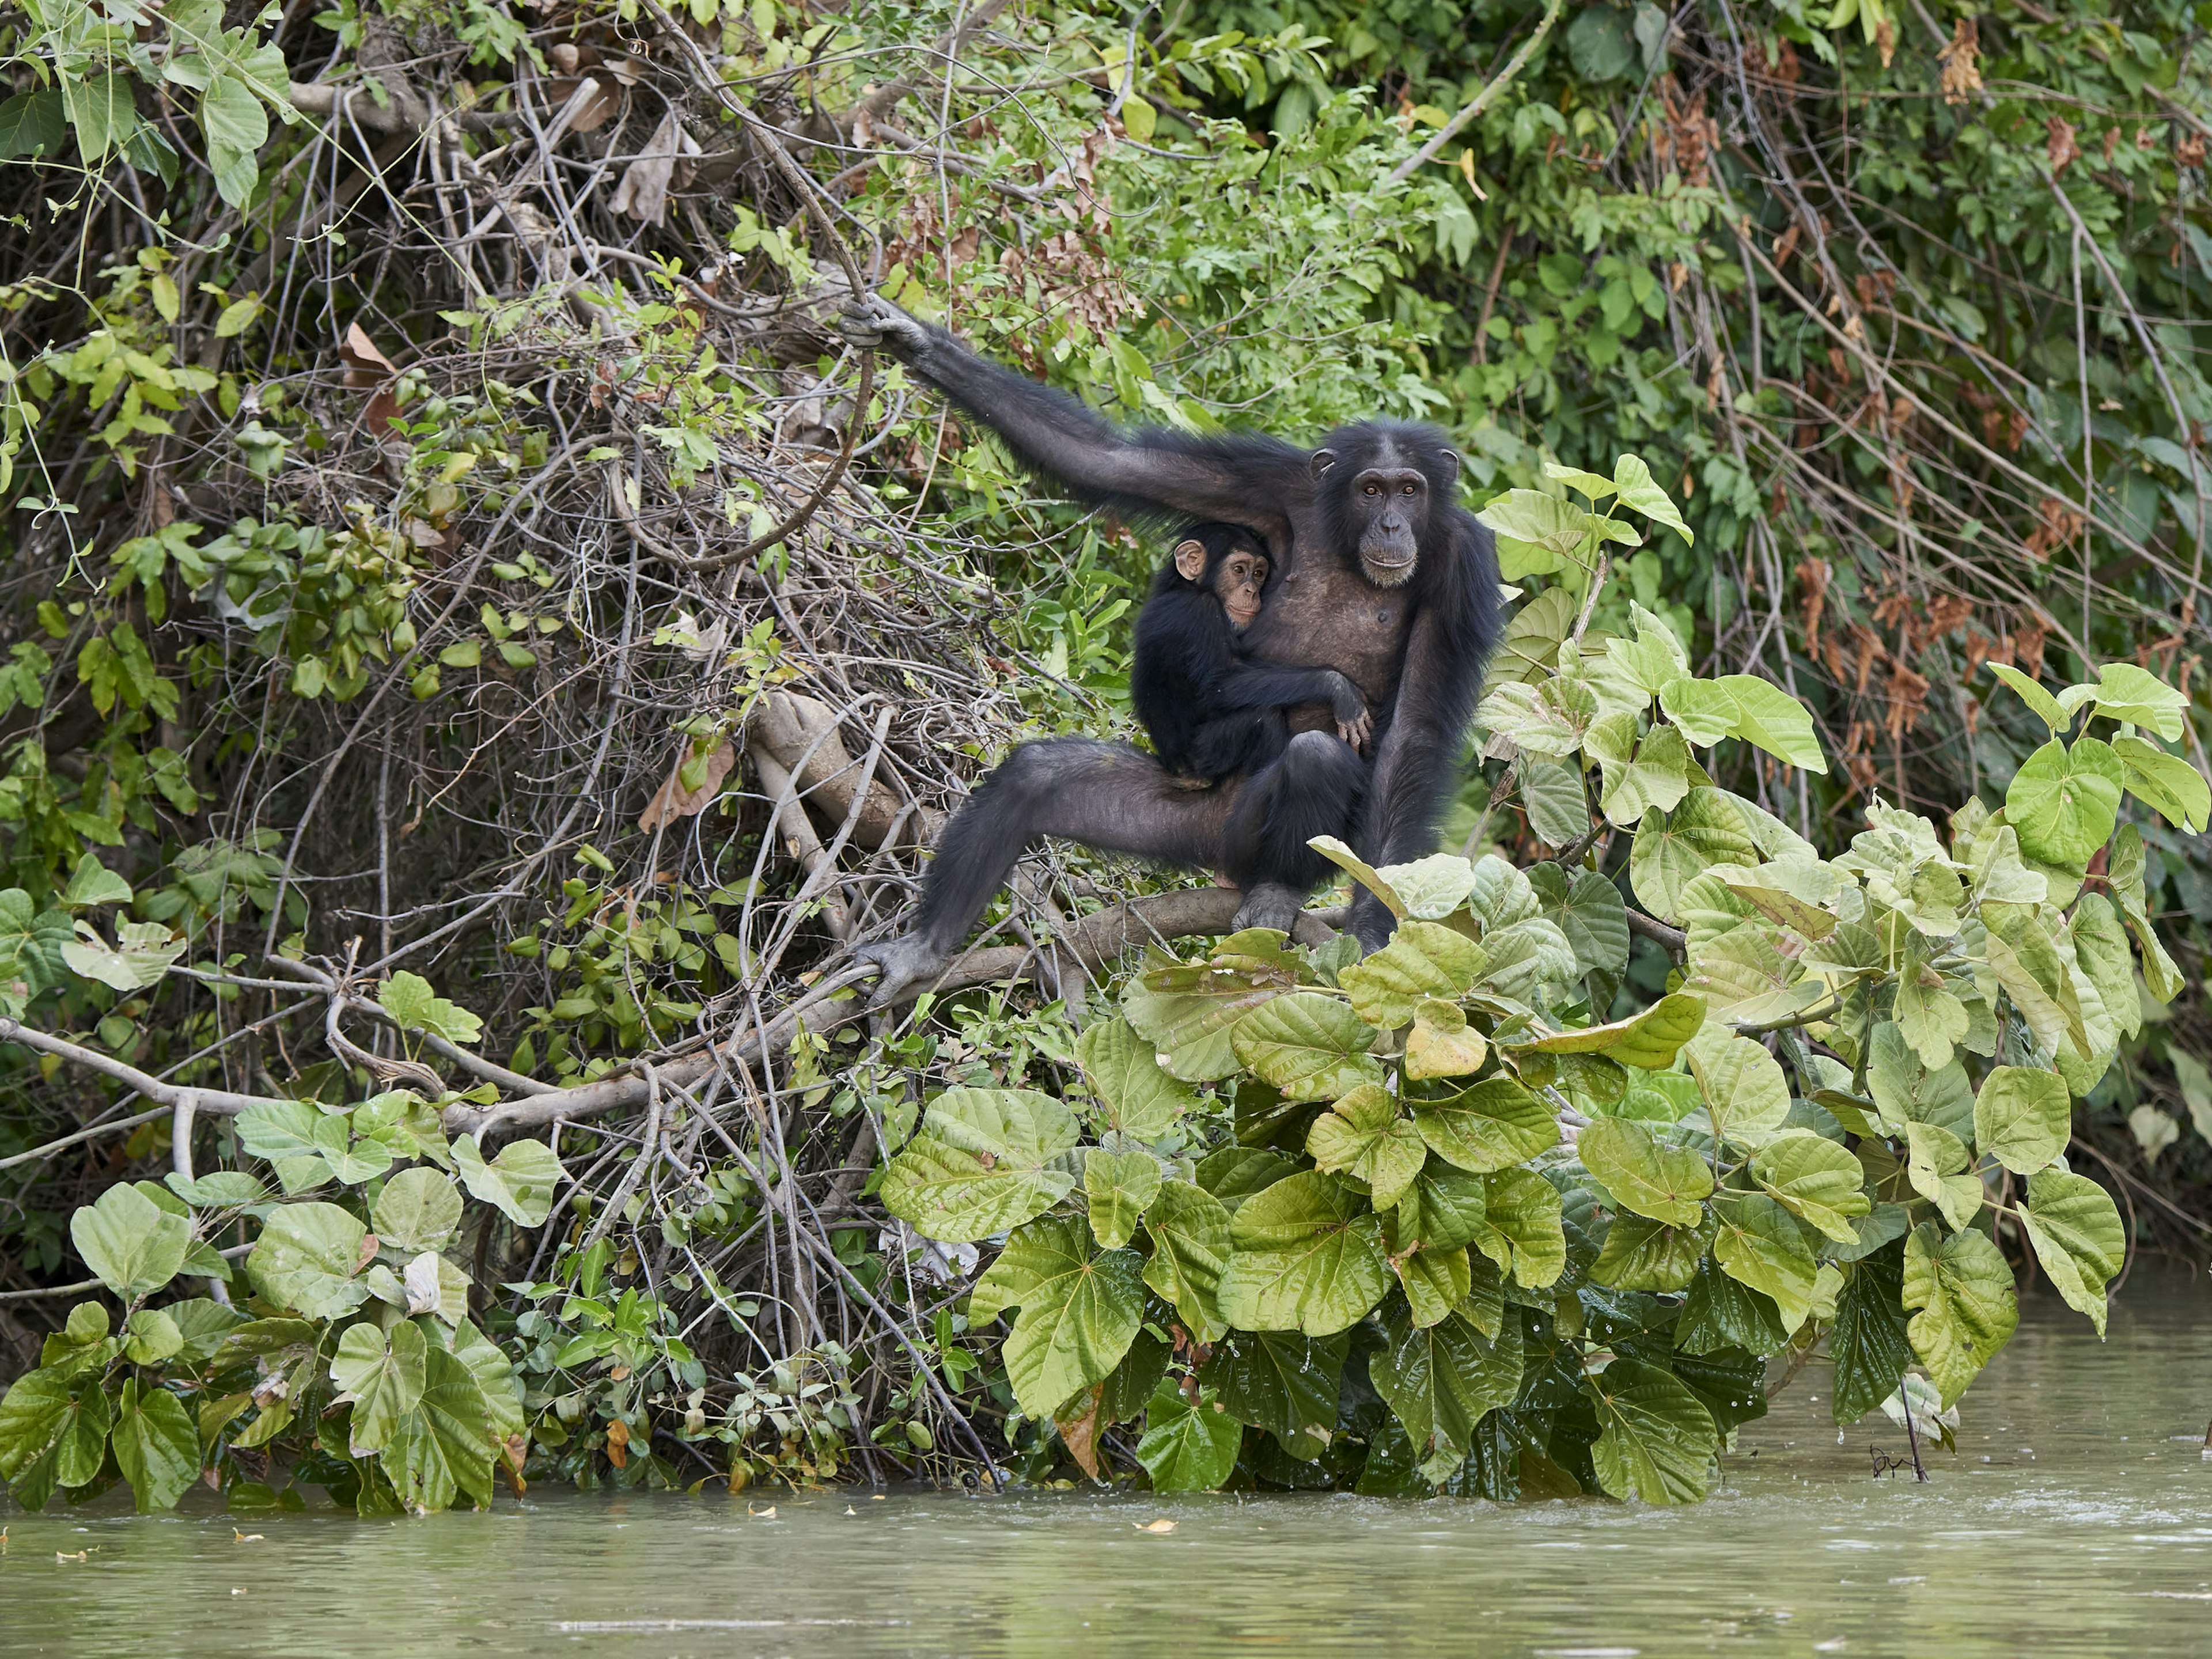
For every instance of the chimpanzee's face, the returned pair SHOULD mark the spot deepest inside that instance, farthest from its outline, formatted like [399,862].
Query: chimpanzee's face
[1385,511]
[1238,580]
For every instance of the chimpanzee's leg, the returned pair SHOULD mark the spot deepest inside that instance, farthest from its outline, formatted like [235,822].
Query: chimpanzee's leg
[1315,789]
[1106,795]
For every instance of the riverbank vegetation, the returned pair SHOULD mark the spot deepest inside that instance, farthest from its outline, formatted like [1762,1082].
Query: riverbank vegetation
[478,647]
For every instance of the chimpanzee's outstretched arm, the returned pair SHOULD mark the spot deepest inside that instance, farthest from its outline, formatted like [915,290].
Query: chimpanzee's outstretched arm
[1247,685]
[1142,471]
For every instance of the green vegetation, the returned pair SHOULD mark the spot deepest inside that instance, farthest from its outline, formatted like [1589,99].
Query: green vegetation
[475,651]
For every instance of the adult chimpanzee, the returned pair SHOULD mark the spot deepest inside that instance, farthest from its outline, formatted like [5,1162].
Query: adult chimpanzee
[1386,579]
[1212,712]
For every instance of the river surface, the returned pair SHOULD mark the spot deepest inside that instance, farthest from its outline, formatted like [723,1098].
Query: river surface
[2075,1519]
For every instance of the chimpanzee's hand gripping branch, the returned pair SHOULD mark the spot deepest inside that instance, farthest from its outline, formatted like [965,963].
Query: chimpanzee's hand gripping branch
[1386,579]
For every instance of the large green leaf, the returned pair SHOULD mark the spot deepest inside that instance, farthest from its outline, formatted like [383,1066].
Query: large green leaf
[1135,1095]
[1367,1137]
[1933,1020]
[1552,795]
[132,1244]
[410,999]
[2077,1232]
[1443,1207]
[1967,1306]
[1648,1040]
[1442,1044]
[2173,788]
[1935,1158]
[1720,1313]
[2064,803]
[1431,887]
[34,1413]
[1666,1183]
[1279,1381]
[2022,1117]
[1118,1186]
[1187,1448]
[1422,960]
[1631,476]
[1643,1254]
[1656,1439]
[2125,692]
[1310,1046]
[1770,718]
[1760,1244]
[2100,950]
[1534,634]
[1673,848]
[1435,1280]
[1189,1230]
[306,1258]
[1304,1257]
[156,1446]
[1187,1013]
[1549,717]
[1440,1378]
[1521,1230]
[446,1445]
[1815,1180]
[1868,1343]
[381,1377]
[986,1161]
[1588,910]
[1907,1091]
[417,1210]
[1487,1126]
[520,1182]
[1079,1309]
[494,1375]
[1746,1094]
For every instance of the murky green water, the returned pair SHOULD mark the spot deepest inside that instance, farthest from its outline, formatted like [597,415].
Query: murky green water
[2077,1519]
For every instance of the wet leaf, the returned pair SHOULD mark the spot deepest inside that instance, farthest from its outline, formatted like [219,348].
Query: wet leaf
[1967,1306]
[986,1160]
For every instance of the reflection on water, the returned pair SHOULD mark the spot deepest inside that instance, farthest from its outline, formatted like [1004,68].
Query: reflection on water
[2076,1519]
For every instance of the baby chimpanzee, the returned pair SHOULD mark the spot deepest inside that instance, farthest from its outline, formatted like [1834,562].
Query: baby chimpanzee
[1212,711]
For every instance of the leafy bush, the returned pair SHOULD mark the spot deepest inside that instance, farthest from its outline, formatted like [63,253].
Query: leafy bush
[1437,1221]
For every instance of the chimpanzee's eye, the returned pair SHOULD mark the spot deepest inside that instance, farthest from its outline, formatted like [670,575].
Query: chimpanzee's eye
[1373,490]
[1410,488]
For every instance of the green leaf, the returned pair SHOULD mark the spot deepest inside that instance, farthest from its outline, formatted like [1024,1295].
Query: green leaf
[1431,888]
[132,1245]
[1311,1047]
[1303,1258]
[409,1000]
[1967,1307]
[1442,1044]
[33,124]
[2045,705]
[150,1337]
[1666,1183]
[93,884]
[1422,960]
[1557,526]
[1187,1013]
[520,1182]
[1442,1208]
[1367,1139]
[1595,485]
[1643,1254]
[1189,1230]
[2077,1232]
[144,951]
[1770,718]
[38,1412]
[1440,1378]
[1534,634]
[1673,848]
[2139,697]
[1119,1185]
[445,1445]
[2022,1118]
[1746,1094]
[1279,1381]
[1187,1448]
[1656,1439]
[1138,1097]
[236,125]
[1816,1181]
[986,1160]
[1487,1126]
[1760,1244]
[1935,1156]
[2170,785]
[306,1260]
[383,1380]
[1551,794]
[1640,490]
[1550,717]
[1867,1342]
[1521,1228]
[1648,1040]
[1079,1309]
[1719,1313]
[156,1447]
[1361,871]
[1906,1092]
[1435,1281]
[2064,803]
[417,1210]
[1703,711]
[1589,911]
[1932,1020]
[495,1376]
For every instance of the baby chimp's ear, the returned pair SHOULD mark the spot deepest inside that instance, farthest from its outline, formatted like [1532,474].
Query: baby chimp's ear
[1190,560]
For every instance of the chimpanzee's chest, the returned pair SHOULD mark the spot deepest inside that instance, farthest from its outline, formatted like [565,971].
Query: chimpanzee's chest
[1321,615]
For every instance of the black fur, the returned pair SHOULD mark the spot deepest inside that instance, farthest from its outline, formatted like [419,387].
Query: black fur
[1420,676]
[1212,711]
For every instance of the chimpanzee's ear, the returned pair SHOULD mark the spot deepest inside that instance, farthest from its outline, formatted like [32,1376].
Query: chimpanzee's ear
[1322,460]
[1451,459]
[1190,560]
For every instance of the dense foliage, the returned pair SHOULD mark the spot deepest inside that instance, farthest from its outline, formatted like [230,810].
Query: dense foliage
[444,544]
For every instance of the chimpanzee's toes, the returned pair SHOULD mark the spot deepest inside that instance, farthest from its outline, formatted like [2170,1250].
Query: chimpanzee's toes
[1266,905]
[899,964]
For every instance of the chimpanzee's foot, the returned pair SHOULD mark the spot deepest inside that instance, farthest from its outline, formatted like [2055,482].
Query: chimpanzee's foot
[900,964]
[1266,905]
